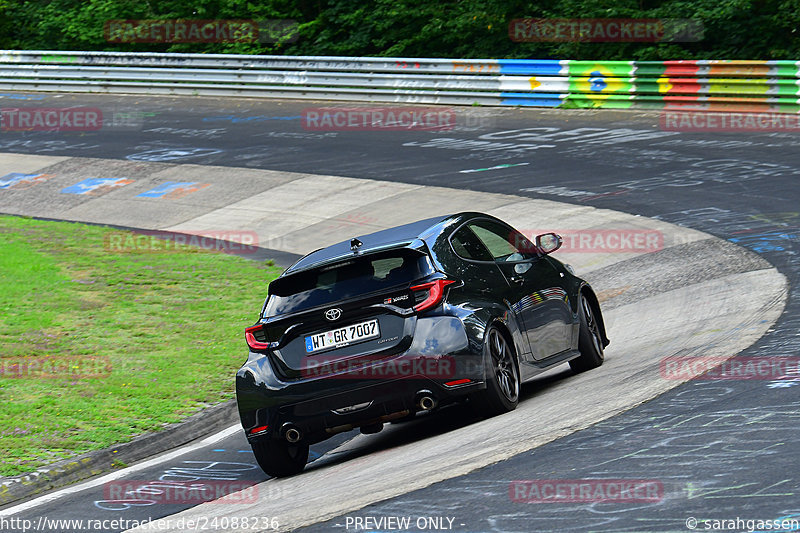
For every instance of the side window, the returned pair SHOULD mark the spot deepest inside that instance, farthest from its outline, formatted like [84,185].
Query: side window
[467,245]
[503,242]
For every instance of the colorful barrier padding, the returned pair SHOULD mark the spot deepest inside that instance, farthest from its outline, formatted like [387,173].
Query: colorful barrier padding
[710,85]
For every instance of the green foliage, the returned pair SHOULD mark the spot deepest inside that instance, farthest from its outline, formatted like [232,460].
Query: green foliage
[734,29]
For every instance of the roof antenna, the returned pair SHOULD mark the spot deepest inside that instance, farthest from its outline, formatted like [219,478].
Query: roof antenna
[355,244]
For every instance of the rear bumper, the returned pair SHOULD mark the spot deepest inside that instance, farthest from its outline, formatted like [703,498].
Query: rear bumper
[323,406]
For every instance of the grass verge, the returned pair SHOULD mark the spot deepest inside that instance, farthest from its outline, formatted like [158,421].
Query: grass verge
[149,337]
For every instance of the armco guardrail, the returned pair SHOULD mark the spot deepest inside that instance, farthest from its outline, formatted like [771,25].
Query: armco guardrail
[702,84]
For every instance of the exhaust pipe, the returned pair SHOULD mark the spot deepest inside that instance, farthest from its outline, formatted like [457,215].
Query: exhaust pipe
[291,433]
[425,400]
[427,403]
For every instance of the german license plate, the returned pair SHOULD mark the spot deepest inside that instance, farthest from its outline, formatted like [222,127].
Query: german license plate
[337,338]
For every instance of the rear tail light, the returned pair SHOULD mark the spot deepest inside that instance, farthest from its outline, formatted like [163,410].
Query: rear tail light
[250,337]
[435,293]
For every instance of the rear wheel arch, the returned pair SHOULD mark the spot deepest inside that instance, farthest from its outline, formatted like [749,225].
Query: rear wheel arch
[506,331]
[503,383]
[483,317]
[503,327]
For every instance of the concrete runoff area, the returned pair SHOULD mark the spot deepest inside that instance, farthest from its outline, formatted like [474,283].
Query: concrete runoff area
[293,212]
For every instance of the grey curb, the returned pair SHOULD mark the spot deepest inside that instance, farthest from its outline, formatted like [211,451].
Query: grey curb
[68,471]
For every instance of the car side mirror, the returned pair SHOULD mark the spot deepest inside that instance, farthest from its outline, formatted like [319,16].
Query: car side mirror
[548,242]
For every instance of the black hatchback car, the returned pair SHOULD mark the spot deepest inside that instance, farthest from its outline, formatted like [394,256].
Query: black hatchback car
[378,328]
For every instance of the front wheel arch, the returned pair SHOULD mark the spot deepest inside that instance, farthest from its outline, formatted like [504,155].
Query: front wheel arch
[588,292]
[590,340]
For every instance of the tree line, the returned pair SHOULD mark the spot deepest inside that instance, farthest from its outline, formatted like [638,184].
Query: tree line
[729,29]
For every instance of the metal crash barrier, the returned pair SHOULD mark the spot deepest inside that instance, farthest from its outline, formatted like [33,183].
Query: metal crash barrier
[709,85]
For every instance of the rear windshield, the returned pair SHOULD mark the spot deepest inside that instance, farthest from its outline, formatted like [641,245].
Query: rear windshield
[346,279]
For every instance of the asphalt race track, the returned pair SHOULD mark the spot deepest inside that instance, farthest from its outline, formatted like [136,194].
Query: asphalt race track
[719,449]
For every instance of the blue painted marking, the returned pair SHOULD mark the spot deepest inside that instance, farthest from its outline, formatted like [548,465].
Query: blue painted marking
[245,451]
[14,178]
[597,81]
[771,241]
[166,188]
[22,96]
[218,450]
[531,67]
[527,99]
[91,184]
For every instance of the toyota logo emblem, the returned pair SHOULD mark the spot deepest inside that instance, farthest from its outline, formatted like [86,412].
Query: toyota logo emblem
[333,314]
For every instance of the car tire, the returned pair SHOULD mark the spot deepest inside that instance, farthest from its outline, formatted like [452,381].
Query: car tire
[279,458]
[590,341]
[501,394]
